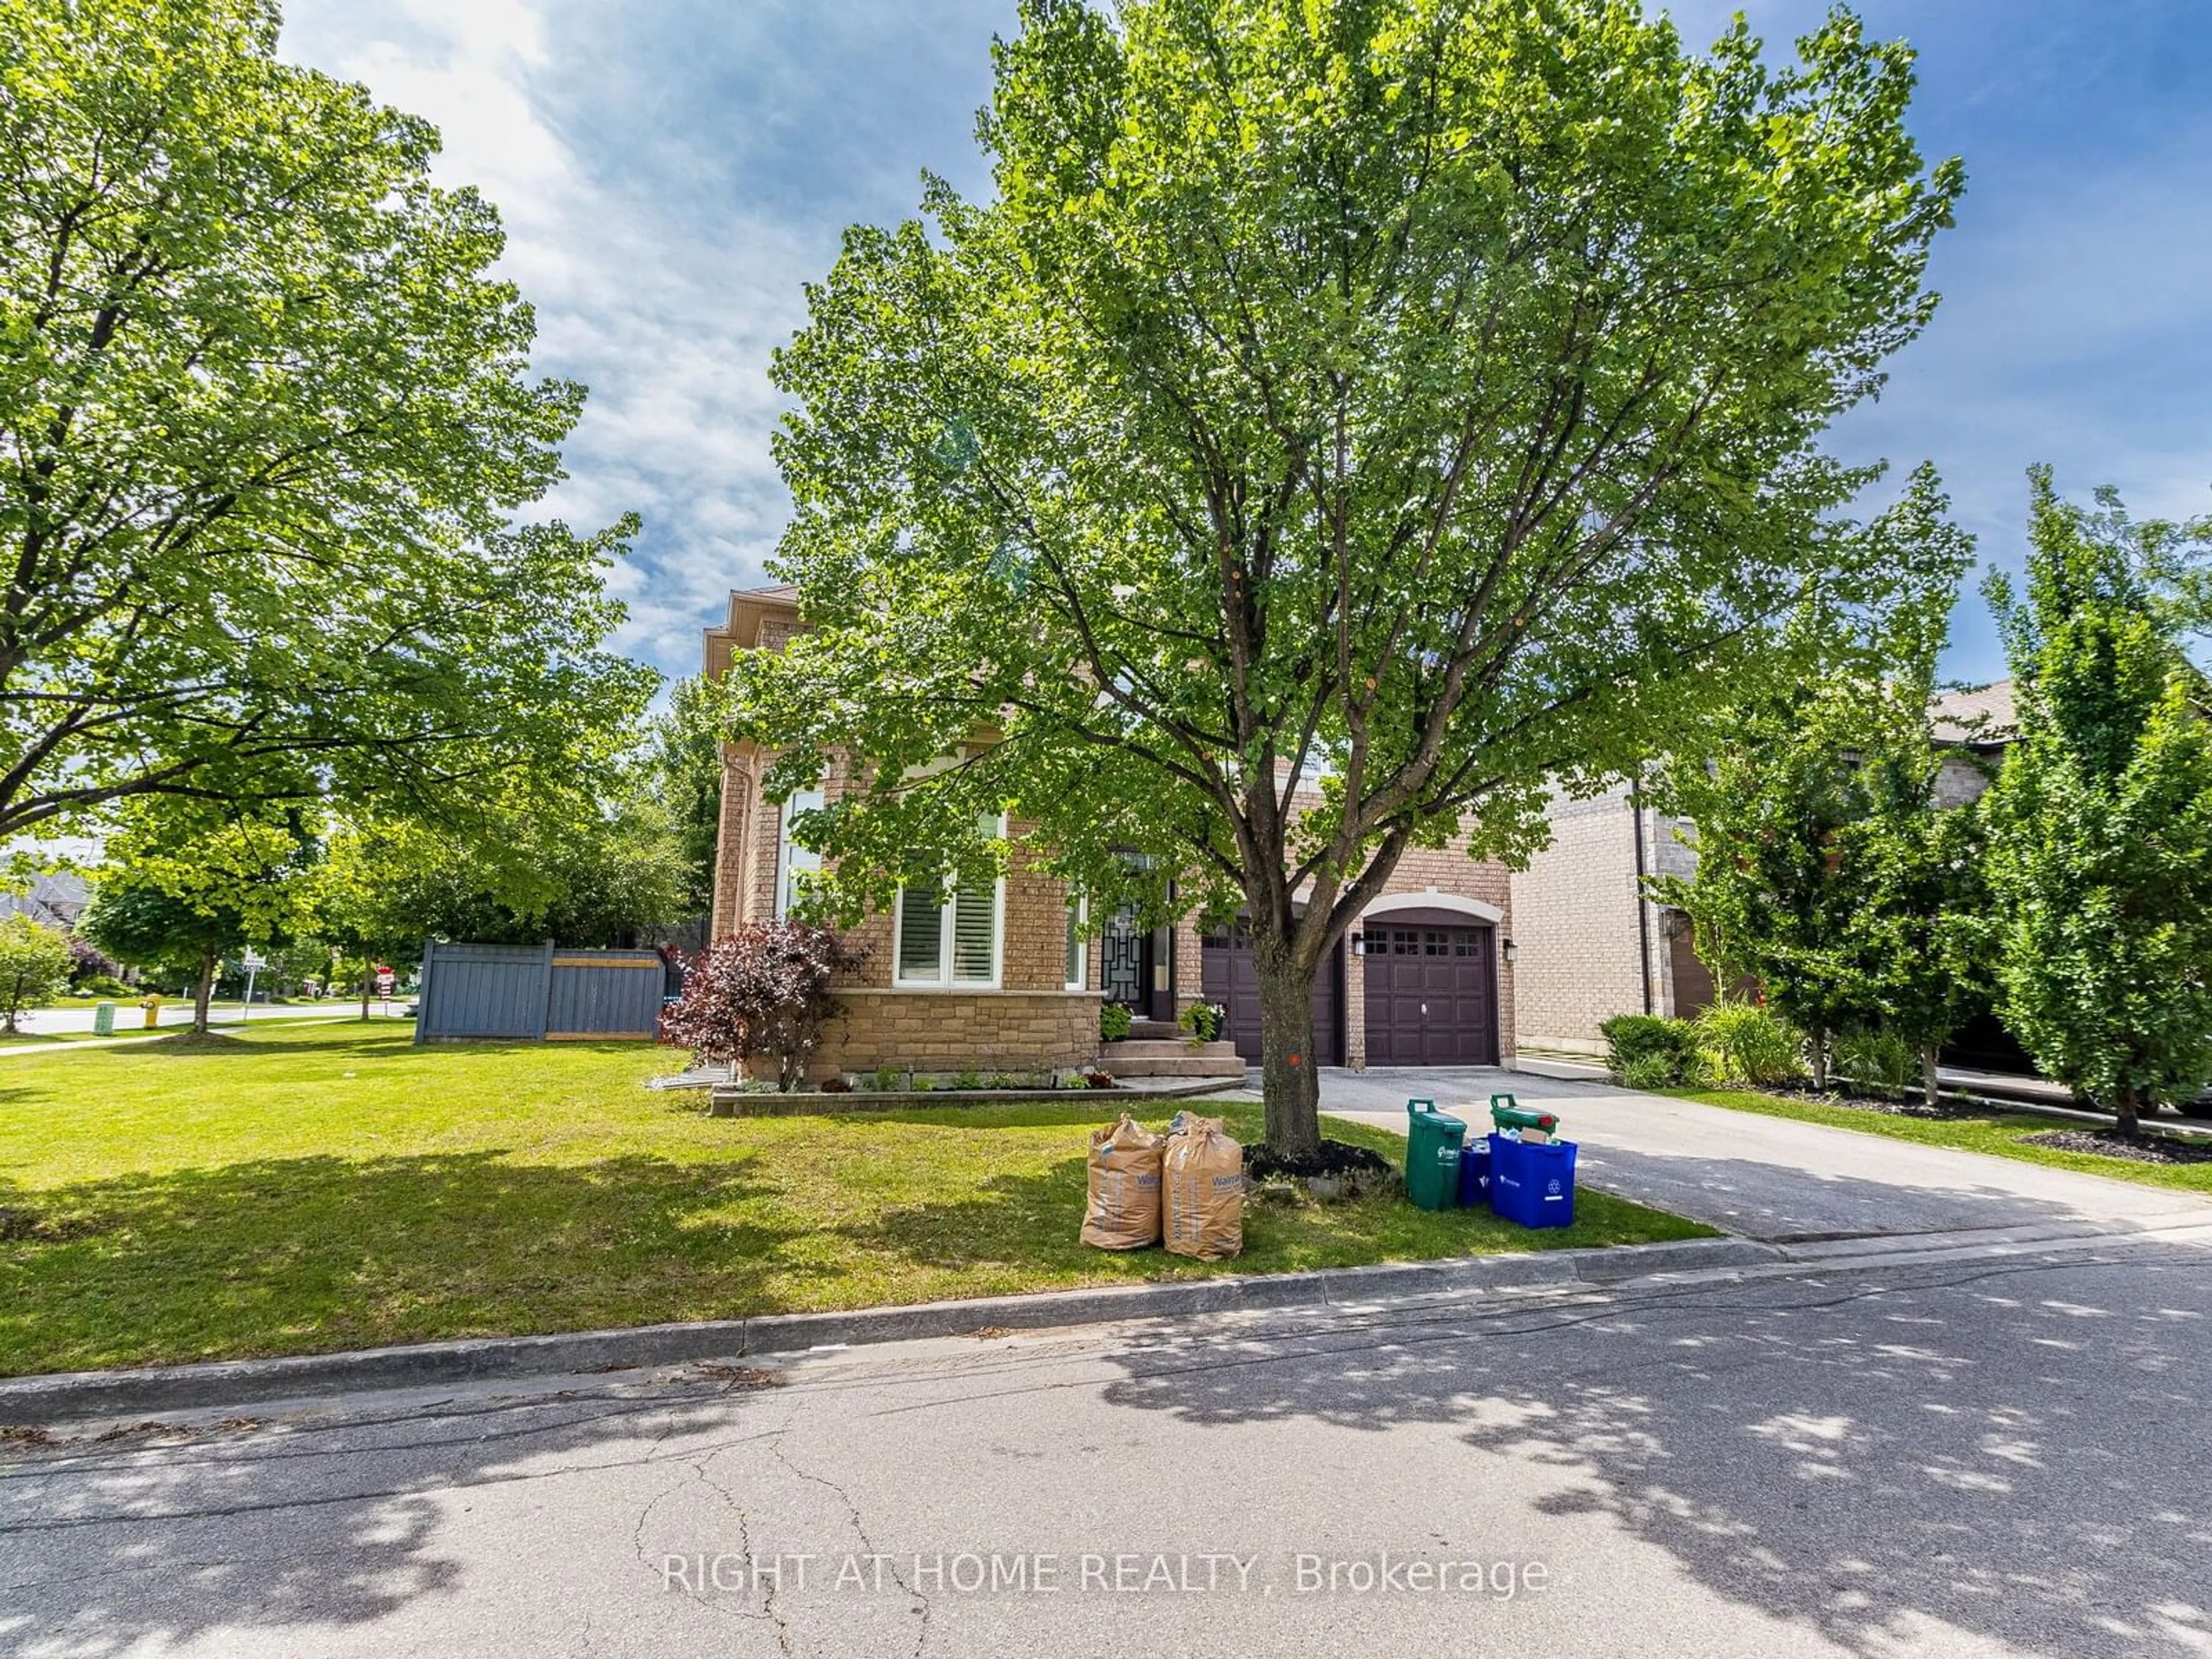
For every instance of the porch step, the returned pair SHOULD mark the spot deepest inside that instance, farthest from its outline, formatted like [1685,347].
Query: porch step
[1155,1031]
[1159,1057]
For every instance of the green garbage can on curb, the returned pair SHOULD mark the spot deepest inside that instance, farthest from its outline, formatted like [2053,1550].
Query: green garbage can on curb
[103,1019]
[1434,1142]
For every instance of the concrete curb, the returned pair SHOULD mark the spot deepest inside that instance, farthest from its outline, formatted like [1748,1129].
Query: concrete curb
[72,1394]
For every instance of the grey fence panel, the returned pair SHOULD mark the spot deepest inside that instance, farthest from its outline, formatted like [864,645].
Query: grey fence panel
[605,993]
[484,991]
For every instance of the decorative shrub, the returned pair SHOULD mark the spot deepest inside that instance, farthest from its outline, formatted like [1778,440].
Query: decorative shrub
[1005,1081]
[1753,1045]
[1099,1079]
[104,985]
[1114,1021]
[1648,1052]
[968,1081]
[1204,1021]
[91,969]
[1880,1058]
[835,1086]
[887,1080]
[762,991]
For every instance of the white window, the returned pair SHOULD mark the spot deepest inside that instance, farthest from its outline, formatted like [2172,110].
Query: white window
[1078,948]
[795,864]
[951,936]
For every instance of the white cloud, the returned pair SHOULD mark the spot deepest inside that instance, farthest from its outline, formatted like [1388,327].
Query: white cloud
[668,316]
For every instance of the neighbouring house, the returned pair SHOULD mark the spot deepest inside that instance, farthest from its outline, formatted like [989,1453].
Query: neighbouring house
[57,899]
[1013,980]
[1592,944]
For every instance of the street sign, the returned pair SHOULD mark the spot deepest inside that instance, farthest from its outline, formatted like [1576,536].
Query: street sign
[253,961]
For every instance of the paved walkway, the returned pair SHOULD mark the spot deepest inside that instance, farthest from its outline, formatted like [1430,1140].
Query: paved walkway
[1767,1177]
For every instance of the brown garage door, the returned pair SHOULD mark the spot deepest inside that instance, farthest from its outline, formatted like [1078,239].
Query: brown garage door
[1432,996]
[1229,979]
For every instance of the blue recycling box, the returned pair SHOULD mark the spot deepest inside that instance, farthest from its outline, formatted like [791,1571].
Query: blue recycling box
[1533,1183]
[1474,1174]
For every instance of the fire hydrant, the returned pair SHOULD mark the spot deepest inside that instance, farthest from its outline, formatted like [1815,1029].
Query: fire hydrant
[153,1007]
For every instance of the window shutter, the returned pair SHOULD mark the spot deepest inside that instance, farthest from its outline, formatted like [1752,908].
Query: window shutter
[921,923]
[974,934]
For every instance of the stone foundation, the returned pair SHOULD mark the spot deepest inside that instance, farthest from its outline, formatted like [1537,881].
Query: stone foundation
[960,1031]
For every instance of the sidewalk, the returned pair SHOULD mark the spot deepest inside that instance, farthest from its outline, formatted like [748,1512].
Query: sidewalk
[1768,1178]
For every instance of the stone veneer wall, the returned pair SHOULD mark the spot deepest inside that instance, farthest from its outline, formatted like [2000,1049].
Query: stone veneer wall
[962,1031]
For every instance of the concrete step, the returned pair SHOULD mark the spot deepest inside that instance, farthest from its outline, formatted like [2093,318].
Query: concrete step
[1154,1057]
[1154,1030]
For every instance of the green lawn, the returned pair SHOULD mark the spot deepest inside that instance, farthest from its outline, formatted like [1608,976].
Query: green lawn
[332,1186]
[1994,1131]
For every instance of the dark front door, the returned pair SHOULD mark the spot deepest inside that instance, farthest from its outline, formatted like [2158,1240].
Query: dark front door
[1126,953]
[1230,977]
[1432,996]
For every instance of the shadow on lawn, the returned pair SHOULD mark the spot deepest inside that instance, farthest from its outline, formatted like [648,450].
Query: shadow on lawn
[309,1254]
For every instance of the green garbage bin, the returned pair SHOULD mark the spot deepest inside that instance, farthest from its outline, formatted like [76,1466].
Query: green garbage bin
[1434,1142]
[1509,1117]
[103,1019]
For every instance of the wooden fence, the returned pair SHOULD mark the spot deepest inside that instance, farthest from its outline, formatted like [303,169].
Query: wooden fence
[538,992]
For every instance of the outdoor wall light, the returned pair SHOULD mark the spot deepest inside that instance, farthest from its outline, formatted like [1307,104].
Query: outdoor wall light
[1360,945]
[1511,950]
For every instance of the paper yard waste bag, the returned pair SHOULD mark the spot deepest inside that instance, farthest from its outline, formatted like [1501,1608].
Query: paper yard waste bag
[1123,1213]
[1202,1185]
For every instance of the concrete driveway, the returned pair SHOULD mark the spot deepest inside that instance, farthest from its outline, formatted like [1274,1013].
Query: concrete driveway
[1766,1178]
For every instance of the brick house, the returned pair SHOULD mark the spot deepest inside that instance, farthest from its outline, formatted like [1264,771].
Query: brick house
[1592,945]
[1013,980]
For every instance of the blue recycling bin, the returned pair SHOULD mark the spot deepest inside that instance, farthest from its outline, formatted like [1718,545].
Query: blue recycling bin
[1474,1174]
[1531,1182]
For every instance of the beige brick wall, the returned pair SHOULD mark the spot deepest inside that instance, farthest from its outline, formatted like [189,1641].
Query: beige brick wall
[1576,909]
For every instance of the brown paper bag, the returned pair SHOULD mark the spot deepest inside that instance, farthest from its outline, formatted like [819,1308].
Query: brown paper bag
[1202,1185]
[1123,1213]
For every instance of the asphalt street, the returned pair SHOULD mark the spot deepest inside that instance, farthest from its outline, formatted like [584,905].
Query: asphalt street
[1956,1458]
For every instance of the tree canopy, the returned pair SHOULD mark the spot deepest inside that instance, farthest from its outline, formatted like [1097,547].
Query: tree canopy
[1416,401]
[266,420]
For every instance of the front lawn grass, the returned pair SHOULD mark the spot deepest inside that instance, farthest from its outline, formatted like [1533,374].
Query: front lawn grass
[333,1186]
[1992,1130]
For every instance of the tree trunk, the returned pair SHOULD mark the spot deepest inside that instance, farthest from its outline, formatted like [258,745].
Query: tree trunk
[1817,1043]
[366,964]
[202,995]
[1928,1074]
[1289,1085]
[2125,1110]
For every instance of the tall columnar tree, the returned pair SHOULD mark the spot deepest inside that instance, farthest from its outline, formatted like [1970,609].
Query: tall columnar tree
[2101,856]
[1828,870]
[266,419]
[1418,397]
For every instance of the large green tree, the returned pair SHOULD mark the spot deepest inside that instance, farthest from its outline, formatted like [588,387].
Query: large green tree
[189,881]
[1419,398]
[266,420]
[2101,857]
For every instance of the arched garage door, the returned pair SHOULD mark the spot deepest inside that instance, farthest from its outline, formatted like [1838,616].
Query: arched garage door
[1229,978]
[1431,993]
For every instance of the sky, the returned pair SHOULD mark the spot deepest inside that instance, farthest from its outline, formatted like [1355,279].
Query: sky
[671,173]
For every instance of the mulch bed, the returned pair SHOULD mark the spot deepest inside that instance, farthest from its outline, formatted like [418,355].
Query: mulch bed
[2111,1143]
[1336,1158]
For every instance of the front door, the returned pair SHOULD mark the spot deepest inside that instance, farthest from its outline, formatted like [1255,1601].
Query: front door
[1126,952]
